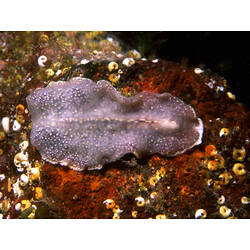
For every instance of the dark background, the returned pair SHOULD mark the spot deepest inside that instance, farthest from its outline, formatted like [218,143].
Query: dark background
[225,53]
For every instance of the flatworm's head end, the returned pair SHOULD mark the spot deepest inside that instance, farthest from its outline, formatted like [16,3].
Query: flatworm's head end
[197,133]
[200,129]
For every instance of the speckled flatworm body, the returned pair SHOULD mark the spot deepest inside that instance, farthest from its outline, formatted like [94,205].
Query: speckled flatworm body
[83,124]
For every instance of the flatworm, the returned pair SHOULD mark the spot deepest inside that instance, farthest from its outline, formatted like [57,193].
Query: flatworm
[84,125]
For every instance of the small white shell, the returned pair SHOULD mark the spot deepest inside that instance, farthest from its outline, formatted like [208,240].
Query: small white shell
[2,177]
[16,126]
[18,206]
[41,60]
[128,61]
[221,200]
[6,124]
[200,214]
[155,60]
[58,72]
[140,202]
[198,71]
[24,180]
[84,61]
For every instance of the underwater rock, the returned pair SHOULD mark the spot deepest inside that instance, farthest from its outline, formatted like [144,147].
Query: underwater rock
[83,124]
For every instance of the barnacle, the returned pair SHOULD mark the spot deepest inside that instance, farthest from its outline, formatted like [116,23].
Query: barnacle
[113,66]
[2,177]
[153,180]
[140,202]
[20,119]
[200,214]
[128,61]
[225,211]
[221,200]
[134,54]
[245,200]
[161,172]
[217,185]
[116,210]
[18,206]
[24,145]
[160,216]
[38,193]
[20,109]
[6,124]
[134,213]
[34,173]
[114,78]
[216,163]
[224,132]
[153,195]
[212,165]
[49,72]
[109,203]
[116,216]
[239,154]
[21,161]
[25,204]
[16,126]
[210,150]
[198,71]
[239,169]
[33,212]
[225,178]
[16,189]
[24,180]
